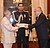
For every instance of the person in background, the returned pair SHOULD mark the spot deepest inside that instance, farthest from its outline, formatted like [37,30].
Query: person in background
[48,26]
[8,37]
[22,17]
[39,25]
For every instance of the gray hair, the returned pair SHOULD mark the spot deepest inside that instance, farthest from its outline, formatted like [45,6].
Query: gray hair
[7,12]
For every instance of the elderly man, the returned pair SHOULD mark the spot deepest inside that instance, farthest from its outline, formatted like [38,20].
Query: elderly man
[40,27]
[8,37]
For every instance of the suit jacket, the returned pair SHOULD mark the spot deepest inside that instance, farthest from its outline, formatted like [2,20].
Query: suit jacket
[40,27]
[25,17]
[7,31]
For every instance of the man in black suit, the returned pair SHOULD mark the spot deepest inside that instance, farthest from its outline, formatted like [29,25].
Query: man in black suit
[22,17]
[40,27]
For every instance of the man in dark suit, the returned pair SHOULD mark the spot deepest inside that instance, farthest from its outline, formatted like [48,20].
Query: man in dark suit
[22,17]
[40,27]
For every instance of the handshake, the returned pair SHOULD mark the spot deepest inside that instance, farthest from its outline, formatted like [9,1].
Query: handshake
[22,25]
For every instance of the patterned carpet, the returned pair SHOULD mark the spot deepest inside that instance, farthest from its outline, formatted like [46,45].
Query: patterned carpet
[30,45]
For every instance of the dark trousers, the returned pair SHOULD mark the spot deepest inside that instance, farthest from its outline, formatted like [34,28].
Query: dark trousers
[21,37]
[43,43]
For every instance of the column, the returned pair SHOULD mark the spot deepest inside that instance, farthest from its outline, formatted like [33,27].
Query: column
[1,13]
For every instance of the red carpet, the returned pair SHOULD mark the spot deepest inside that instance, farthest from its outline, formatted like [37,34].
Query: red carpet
[30,45]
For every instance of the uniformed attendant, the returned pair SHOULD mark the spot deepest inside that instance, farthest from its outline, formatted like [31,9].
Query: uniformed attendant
[21,17]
